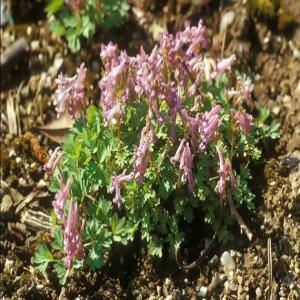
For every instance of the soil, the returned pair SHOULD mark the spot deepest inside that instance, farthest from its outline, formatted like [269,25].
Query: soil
[270,56]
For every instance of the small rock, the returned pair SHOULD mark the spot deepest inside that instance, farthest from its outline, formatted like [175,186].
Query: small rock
[186,280]
[18,160]
[54,69]
[169,297]
[203,291]
[258,293]
[167,282]
[152,297]
[8,266]
[39,286]
[228,262]
[6,204]
[34,45]
[214,261]
[29,30]
[159,290]
[276,110]
[22,182]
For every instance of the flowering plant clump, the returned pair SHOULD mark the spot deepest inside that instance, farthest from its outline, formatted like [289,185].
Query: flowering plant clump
[75,19]
[170,137]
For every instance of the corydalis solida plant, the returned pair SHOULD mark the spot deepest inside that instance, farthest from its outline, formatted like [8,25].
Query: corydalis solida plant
[160,146]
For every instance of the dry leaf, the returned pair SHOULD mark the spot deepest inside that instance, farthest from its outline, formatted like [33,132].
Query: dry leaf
[57,129]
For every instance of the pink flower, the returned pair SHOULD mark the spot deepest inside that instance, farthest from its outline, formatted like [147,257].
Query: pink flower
[54,161]
[225,173]
[72,238]
[60,199]
[208,126]
[117,182]
[185,158]
[70,92]
[223,65]
[243,119]
[142,152]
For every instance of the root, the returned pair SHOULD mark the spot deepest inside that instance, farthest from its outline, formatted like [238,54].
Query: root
[239,219]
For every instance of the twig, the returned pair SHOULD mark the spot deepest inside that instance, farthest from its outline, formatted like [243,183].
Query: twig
[14,52]
[239,219]
[270,266]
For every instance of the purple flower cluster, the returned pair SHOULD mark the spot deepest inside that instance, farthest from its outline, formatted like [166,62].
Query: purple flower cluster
[53,162]
[73,236]
[166,78]
[60,199]
[225,173]
[70,93]
[142,152]
[117,182]
[243,119]
[185,158]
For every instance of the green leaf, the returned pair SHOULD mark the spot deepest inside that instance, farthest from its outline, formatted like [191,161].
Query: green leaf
[54,6]
[62,272]
[58,242]
[95,259]
[42,258]
[57,27]
[155,247]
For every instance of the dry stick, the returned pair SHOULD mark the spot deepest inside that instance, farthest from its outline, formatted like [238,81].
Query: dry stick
[203,254]
[270,266]
[239,219]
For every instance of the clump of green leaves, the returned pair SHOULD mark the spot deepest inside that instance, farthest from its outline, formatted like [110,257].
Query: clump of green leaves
[78,19]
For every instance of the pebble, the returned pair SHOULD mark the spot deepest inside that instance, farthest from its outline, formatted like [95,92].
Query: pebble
[169,297]
[203,291]
[214,261]
[228,262]
[54,69]
[18,160]
[6,204]
[42,183]
[8,266]
[34,45]
[276,110]
[258,293]
[159,290]
[29,30]
[167,282]
[22,182]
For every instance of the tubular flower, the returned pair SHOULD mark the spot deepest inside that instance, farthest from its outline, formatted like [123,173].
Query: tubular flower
[208,126]
[70,93]
[60,199]
[243,119]
[225,173]
[223,65]
[185,158]
[117,182]
[142,152]
[118,81]
[54,161]
[73,238]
